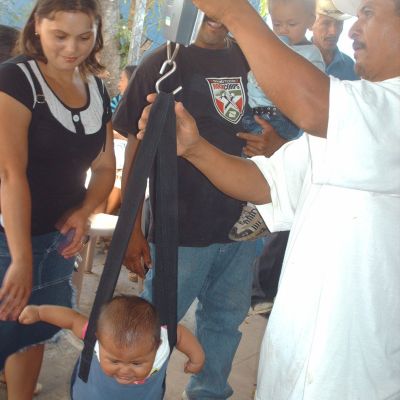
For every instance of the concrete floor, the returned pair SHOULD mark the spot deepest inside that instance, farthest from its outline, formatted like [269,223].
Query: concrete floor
[60,358]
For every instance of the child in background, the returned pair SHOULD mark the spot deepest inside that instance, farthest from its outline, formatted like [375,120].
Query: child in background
[132,351]
[290,21]
[126,74]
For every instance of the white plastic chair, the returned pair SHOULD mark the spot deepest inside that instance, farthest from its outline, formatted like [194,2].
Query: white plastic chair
[100,225]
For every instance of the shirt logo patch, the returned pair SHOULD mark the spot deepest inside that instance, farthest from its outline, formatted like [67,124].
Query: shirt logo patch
[229,97]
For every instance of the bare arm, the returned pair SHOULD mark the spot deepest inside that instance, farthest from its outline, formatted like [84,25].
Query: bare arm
[15,205]
[63,317]
[137,255]
[103,175]
[188,344]
[130,155]
[235,176]
[101,183]
[297,87]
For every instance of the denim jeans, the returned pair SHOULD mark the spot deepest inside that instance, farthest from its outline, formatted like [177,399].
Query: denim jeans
[220,276]
[284,127]
[51,285]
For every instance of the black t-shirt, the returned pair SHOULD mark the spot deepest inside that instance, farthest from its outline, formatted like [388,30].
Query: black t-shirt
[62,141]
[214,83]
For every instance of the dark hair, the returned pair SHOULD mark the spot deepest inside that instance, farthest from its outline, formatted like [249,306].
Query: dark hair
[129,70]
[30,43]
[8,40]
[128,319]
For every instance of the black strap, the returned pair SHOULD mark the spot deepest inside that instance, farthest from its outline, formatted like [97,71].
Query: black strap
[166,229]
[160,139]
[39,99]
[102,91]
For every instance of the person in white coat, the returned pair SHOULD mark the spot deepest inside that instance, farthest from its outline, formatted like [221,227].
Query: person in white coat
[334,332]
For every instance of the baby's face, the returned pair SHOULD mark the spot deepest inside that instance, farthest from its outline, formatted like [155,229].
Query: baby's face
[129,364]
[291,19]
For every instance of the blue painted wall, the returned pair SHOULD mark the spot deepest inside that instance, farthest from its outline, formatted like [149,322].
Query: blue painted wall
[15,12]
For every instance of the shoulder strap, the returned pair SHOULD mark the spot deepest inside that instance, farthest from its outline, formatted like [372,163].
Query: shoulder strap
[100,86]
[102,91]
[39,96]
[158,144]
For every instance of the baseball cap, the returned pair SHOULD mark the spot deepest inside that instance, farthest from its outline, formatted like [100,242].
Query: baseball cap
[347,6]
[327,8]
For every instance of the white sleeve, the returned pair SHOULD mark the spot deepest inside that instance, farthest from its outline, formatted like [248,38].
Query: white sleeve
[363,138]
[163,350]
[285,172]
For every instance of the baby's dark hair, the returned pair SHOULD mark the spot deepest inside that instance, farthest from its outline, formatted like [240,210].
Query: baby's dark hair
[309,5]
[127,320]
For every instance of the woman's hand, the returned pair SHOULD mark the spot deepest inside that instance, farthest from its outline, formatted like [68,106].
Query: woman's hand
[29,315]
[187,133]
[78,220]
[16,290]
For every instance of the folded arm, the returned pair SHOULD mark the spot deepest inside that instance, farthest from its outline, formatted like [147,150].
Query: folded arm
[188,344]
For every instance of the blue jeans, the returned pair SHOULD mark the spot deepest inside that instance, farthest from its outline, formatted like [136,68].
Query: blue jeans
[220,276]
[284,127]
[51,285]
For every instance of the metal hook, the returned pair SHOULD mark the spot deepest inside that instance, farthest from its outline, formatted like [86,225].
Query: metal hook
[165,76]
[174,54]
[169,61]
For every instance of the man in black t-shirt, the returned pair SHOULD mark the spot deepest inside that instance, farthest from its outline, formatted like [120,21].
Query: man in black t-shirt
[217,271]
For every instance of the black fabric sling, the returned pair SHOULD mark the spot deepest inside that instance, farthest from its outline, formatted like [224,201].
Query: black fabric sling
[159,146]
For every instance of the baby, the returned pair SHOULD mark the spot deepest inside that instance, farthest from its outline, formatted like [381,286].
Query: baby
[290,21]
[132,351]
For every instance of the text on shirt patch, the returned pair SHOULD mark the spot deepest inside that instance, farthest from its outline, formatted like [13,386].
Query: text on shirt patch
[229,97]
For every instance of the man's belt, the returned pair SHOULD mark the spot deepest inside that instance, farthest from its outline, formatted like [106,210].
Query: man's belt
[270,111]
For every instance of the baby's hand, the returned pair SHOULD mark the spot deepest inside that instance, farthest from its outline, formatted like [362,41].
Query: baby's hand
[193,367]
[29,315]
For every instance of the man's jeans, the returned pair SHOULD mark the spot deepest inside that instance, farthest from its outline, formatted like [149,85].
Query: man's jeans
[220,276]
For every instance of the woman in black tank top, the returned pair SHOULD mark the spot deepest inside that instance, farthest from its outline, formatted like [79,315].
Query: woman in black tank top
[54,126]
